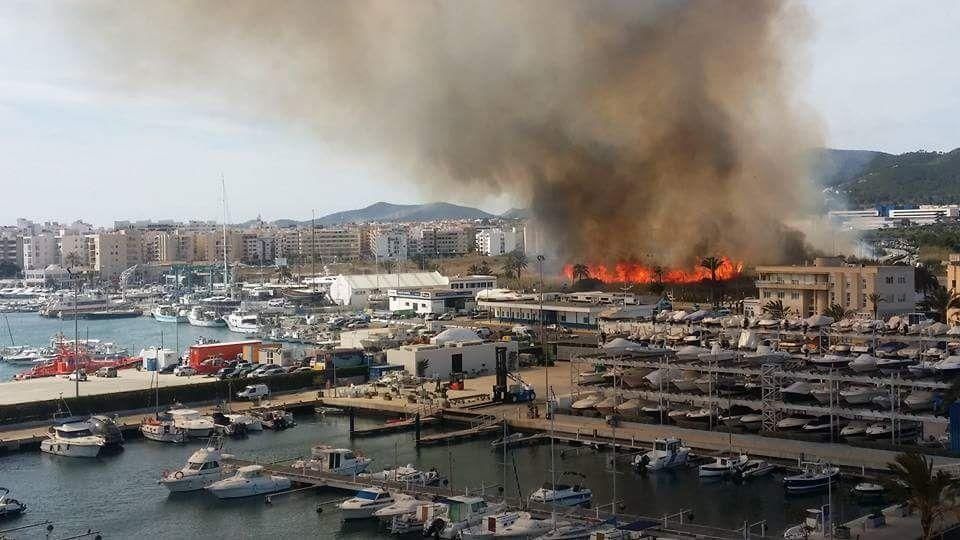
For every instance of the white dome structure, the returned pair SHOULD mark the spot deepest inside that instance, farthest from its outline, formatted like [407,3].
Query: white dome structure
[455,335]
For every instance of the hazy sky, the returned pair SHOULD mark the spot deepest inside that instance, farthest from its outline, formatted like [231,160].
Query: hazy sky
[882,75]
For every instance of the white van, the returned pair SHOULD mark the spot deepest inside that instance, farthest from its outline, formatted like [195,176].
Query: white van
[254,391]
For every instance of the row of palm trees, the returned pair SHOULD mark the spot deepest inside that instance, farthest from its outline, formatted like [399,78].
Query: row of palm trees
[932,493]
[581,272]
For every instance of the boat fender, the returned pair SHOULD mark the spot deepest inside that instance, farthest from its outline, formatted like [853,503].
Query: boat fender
[178,475]
[319,509]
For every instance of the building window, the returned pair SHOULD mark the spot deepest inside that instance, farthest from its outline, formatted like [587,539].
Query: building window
[781,295]
[794,296]
[766,294]
[889,280]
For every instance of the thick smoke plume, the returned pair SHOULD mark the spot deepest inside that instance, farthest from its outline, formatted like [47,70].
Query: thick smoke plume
[657,131]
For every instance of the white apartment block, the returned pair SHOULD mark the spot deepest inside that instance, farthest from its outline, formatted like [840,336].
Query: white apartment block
[388,244]
[497,241]
[259,248]
[73,250]
[40,251]
[11,246]
[926,213]
[330,244]
[446,241]
[808,290]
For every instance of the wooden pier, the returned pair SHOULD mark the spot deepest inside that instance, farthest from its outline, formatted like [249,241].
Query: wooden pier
[459,435]
[395,427]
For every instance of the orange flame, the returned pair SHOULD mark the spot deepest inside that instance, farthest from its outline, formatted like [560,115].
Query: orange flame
[631,272]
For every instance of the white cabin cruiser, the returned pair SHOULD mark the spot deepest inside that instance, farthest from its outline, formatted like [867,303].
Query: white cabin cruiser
[243,322]
[252,423]
[198,316]
[192,422]
[722,466]
[666,454]
[526,527]
[489,526]
[863,363]
[334,460]
[203,468]
[860,395]
[457,514]
[406,474]
[365,503]
[74,439]
[402,504]
[562,495]
[249,481]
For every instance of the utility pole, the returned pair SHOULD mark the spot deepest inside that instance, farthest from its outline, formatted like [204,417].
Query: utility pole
[543,344]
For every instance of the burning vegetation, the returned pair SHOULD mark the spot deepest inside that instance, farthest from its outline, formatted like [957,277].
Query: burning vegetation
[710,268]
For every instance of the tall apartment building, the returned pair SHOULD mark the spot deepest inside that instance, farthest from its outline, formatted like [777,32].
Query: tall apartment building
[388,243]
[329,244]
[11,246]
[808,290]
[497,241]
[108,254]
[259,248]
[73,250]
[40,251]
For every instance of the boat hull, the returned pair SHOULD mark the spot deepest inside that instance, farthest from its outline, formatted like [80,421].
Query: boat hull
[64,449]
[194,482]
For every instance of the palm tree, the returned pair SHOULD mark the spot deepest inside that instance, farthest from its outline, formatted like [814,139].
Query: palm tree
[939,301]
[924,280]
[875,300]
[515,264]
[658,271]
[422,367]
[474,269]
[775,309]
[580,272]
[485,268]
[930,493]
[837,312]
[712,264]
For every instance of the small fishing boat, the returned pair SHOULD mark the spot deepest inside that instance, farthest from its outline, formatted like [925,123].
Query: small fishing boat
[754,468]
[334,460]
[722,466]
[406,474]
[169,314]
[666,454]
[192,422]
[203,468]
[489,526]
[10,507]
[563,494]
[198,316]
[275,419]
[161,428]
[365,502]
[868,489]
[249,481]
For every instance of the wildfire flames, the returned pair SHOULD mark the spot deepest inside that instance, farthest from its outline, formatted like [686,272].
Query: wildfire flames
[631,272]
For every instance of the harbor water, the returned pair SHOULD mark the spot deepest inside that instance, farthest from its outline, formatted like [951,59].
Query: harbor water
[119,495]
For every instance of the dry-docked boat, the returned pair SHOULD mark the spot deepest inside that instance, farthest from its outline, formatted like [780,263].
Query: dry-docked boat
[905,431]
[661,377]
[919,400]
[590,377]
[863,363]
[607,405]
[888,366]
[629,408]
[793,423]
[824,392]
[751,422]
[634,377]
[828,361]
[797,391]
[860,395]
[586,402]
[687,381]
[654,411]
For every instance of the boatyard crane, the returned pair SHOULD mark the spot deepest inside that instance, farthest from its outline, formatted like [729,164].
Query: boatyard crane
[519,392]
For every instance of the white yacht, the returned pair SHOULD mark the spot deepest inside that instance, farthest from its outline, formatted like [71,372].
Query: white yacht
[199,316]
[859,395]
[402,504]
[334,460]
[666,454]
[458,514]
[74,439]
[490,526]
[365,502]
[243,322]
[562,495]
[192,422]
[10,507]
[169,314]
[406,474]
[526,527]
[722,466]
[250,480]
[203,468]
[251,422]
[586,402]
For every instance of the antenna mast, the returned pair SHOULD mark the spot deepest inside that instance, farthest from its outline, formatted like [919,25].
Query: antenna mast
[223,189]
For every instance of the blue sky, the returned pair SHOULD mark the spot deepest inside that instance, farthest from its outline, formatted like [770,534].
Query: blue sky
[881,76]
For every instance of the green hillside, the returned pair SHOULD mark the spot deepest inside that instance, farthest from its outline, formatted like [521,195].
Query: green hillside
[911,178]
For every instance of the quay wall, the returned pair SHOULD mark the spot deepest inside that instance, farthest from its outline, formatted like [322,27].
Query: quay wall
[42,411]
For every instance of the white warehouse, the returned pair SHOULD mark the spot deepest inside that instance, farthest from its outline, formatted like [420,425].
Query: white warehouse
[355,290]
[455,350]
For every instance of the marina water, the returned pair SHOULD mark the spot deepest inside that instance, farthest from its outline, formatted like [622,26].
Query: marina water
[119,495]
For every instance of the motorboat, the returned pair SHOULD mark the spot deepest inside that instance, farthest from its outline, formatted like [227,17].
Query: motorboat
[192,422]
[526,526]
[860,395]
[906,431]
[797,391]
[328,459]
[948,367]
[406,474]
[824,393]
[607,405]
[248,481]
[662,377]
[822,425]
[590,377]
[365,502]
[224,426]
[706,384]
[402,504]
[74,439]
[489,526]
[892,365]
[751,422]
[576,530]
[884,402]
[863,363]
[687,381]
[457,514]
[654,411]
[414,522]
[679,416]
[161,428]
[754,468]
[198,316]
[586,402]
[889,349]
[243,322]
[204,467]
[812,524]
[854,429]
[868,489]
[697,418]
[839,348]
[634,377]
[250,422]
[169,314]
[563,494]
[629,408]
[722,466]
[666,454]
[730,420]
[924,368]
[828,361]
[10,507]
[275,419]
[793,423]
[919,400]
[814,476]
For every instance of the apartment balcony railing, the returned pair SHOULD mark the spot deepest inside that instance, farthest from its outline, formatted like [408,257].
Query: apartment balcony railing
[817,286]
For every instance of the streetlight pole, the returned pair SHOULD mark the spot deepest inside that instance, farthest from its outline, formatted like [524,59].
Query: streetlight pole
[543,345]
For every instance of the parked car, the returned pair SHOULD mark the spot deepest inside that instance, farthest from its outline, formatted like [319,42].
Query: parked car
[254,391]
[184,371]
[226,373]
[445,317]
[481,315]
[302,369]
[274,371]
[107,371]
[258,371]
[244,371]
[78,375]
[168,369]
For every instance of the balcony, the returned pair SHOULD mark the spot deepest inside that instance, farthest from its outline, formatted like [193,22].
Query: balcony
[786,285]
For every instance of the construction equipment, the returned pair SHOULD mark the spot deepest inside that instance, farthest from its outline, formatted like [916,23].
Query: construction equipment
[519,392]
